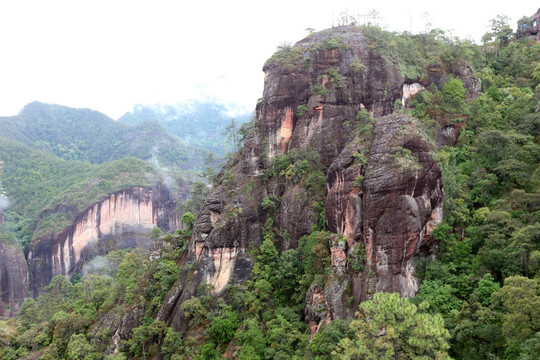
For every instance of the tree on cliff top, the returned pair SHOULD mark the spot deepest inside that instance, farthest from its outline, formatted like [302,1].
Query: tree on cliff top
[500,29]
[390,327]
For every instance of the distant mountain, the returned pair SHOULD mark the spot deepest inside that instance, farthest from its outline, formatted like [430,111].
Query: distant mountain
[88,135]
[196,123]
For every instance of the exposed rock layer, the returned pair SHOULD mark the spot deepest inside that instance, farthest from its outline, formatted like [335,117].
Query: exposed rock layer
[122,220]
[13,279]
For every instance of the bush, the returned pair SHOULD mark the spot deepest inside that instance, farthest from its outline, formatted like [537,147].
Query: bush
[223,327]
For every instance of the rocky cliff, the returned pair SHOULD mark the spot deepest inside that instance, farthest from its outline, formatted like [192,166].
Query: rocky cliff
[333,95]
[13,279]
[122,220]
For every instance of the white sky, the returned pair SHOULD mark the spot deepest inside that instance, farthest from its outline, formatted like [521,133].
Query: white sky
[109,55]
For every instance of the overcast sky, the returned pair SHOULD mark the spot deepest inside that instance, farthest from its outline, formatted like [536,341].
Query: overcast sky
[109,55]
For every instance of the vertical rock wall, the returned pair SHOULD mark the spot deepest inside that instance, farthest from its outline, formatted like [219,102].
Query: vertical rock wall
[122,220]
[13,279]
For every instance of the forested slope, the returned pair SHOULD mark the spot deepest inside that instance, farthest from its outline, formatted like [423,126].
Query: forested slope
[58,161]
[37,182]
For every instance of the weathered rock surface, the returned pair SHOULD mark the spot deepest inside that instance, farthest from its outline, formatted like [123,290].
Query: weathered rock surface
[13,279]
[383,188]
[402,202]
[448,135]
[122,220]
[532,28]
[117,324]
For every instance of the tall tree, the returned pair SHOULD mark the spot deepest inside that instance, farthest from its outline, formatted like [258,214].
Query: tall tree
[500,30]
[390,327]
[521,298]
[232,134]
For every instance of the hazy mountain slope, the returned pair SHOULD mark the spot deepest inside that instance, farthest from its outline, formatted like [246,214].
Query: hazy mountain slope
[197,123]
[88,135]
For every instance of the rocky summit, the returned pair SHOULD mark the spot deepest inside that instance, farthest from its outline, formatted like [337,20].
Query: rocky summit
[333,97]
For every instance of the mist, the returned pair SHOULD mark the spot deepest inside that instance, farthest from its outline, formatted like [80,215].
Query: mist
[164,172]
[98,265]
[4,202]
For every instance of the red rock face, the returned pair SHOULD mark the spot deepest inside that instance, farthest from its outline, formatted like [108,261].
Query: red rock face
[13,279]
[376,88]
[396,209]
[317,312]
[123,220]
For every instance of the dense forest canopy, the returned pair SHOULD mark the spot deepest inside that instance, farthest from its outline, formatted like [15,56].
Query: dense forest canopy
[479,296]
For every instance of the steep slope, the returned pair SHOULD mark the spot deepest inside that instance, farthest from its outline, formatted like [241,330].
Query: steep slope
[287,246]
[46,193]
[48,197]
[324,136]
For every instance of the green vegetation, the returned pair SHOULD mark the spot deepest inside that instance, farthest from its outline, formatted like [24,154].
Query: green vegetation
[301,110]
[479,297]
[57,161]
[390,327]
[357,257]
[87,135]
[286,55]
[488,246]
[405,161]
[415,54]
[289,56]
[331,43]
[59,321]
[356,66]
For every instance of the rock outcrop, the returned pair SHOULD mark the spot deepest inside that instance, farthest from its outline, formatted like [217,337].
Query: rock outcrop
[531,28]
[334,95]
[13,279]
[122,220]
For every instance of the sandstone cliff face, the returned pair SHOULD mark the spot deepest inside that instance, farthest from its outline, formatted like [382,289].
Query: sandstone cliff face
[13,279]
[392,209]
[122,220]
[383,187]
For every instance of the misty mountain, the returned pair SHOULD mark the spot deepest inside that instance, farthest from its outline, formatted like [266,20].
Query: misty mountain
[37,182]
[196,123]
[88,135]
